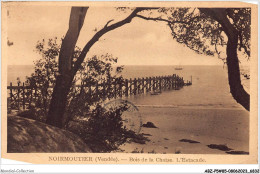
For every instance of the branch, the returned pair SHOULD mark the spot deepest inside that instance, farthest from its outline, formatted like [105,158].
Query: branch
[101,32]
[153,19]
[166,20]
[241,45]
[108,23]
[219,52]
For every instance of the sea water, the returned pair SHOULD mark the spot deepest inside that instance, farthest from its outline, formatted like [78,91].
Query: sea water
[209,87]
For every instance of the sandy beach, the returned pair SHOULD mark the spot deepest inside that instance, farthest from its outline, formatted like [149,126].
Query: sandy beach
[228,127]
[204,112]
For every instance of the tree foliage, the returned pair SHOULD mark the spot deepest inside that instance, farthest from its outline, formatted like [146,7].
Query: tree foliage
[211,31]
[241,20]
[96,77]
[203,34]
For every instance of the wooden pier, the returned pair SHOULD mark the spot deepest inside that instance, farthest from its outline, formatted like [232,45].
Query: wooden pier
[21,96]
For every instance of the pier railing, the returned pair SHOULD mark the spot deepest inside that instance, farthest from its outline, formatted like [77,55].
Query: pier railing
[21,96]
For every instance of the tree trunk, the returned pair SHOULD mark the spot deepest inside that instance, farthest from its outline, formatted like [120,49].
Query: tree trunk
[64,80]
[59,101]
[237,90]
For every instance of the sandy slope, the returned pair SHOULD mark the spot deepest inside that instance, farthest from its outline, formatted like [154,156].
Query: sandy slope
[30,136]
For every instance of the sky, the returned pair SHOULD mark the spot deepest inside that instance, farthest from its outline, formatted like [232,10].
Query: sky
[140,42]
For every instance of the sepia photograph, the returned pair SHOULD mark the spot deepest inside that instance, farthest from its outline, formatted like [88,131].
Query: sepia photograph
[129,79]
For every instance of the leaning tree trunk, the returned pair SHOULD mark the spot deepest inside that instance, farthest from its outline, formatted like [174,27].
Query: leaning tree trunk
[64,80]
[237,90]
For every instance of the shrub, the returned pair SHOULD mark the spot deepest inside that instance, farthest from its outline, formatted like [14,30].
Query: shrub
[103,130]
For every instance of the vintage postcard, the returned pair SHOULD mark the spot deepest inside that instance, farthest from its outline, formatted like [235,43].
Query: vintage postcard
[130,82]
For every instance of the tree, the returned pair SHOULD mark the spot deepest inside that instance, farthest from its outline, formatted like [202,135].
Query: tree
[65,77]
[204,30]
[67,67]
[237,33]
